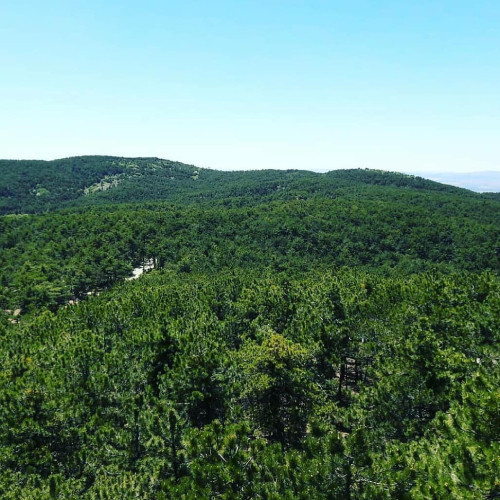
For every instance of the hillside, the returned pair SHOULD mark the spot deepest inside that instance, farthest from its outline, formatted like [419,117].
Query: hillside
[302,335]
[38,186]
[48,259]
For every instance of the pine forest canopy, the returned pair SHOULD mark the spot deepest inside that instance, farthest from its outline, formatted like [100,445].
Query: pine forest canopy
[302,335]
[36,186]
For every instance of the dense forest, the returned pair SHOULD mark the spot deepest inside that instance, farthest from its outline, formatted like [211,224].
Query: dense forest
[38,186]
[302,335]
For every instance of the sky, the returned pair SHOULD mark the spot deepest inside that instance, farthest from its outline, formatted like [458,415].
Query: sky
[408,86]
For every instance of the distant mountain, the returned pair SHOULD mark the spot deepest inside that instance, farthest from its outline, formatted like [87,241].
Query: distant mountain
[37,186]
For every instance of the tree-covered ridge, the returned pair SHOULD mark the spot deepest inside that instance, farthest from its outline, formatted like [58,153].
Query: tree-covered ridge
[250,384]
[38,186]
[28,186]
[494,196]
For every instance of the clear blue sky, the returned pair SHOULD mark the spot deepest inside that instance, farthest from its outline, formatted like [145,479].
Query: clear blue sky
[411,86]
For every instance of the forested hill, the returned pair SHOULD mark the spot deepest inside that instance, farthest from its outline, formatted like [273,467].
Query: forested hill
[37,186]
[300,336]
[101,216]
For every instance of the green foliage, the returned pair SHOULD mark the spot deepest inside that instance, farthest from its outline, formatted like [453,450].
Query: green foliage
[276,386]
[38,186]
[144,391]
[48,259]
[305,336]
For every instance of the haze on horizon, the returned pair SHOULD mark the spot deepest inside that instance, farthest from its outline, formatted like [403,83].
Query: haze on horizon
[319,85]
